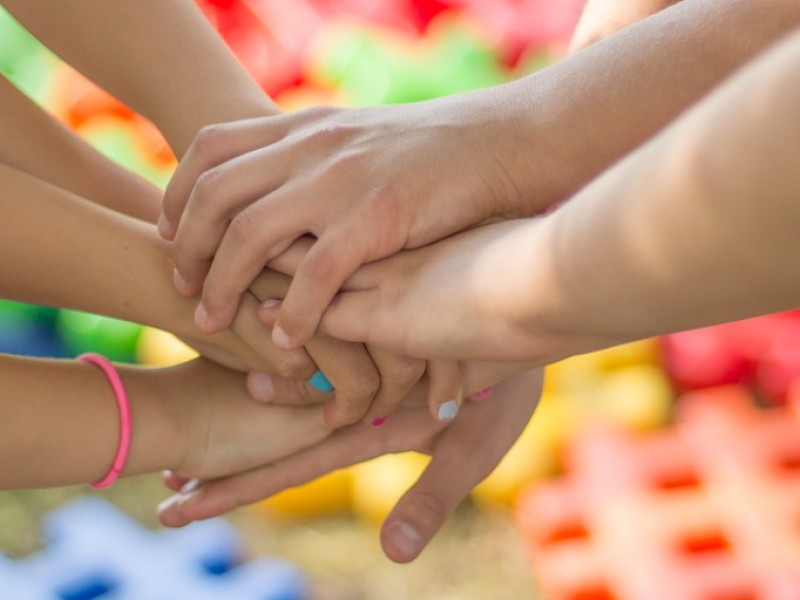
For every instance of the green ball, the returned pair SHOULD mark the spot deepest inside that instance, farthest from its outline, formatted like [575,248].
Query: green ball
[84,332]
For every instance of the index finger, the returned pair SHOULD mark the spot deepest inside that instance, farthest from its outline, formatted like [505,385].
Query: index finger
[213,145]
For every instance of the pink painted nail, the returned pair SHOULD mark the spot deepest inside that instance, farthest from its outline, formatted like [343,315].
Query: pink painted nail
[378,421]
[483,393]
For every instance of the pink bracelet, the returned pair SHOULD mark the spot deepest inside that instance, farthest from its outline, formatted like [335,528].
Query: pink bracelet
[124,419]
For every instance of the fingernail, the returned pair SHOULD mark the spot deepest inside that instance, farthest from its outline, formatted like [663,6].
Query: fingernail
[378,421]
[190,486]
[179,281]
[405,539]
[164,226]
[483,393]
[448,410]
[271,303]
[261,387]
[280,338]
[201,316]
[320,382]
[169,503]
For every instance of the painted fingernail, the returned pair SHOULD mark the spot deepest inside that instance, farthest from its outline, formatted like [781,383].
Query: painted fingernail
[448,410]
[261,387]
[484,393]
[280,338]
[201,316]
[180,282]
[378,421]
[320,382]
[169,503]
[405,539]
[190,486]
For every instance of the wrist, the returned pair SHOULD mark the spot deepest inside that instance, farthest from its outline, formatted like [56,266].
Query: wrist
[540,169]
[158,421]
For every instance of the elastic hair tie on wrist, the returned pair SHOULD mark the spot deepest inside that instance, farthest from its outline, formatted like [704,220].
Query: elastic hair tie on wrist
[124,419]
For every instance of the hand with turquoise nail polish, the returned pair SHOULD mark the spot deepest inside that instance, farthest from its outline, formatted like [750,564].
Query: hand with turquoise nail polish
[463,451]
[320,382]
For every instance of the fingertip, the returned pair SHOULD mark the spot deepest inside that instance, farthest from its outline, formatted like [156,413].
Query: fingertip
[401,541]
[182,284]
[268,311]
[261,387]
[209,322]
[282,340]
[166,229]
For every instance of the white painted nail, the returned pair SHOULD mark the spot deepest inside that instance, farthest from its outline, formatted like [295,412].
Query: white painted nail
[448,410]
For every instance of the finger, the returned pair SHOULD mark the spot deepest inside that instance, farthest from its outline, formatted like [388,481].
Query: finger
[296,364]
[173,481]
[398,376]
[268,388]
[218,196]
[214,145]
[409,429]
[252,239]
[353,374]
[326,266]
[465,453]
[445,389]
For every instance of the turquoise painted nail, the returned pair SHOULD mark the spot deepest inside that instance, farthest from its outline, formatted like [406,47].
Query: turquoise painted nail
[320,382]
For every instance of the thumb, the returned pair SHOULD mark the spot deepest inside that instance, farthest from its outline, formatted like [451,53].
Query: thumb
[424,508]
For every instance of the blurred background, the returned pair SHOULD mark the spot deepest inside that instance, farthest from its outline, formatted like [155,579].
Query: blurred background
[661,469]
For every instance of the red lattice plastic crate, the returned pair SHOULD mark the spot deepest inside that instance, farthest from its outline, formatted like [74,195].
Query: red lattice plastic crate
[709,510]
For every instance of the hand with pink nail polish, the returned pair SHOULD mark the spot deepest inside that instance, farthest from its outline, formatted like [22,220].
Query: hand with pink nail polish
[464,451]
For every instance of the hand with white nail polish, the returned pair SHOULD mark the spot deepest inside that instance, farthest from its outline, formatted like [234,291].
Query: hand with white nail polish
[221,430]
[464,451]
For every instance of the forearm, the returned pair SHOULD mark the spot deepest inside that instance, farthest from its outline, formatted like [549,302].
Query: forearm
[64,251]
[161,58]
[581,115]
[60,424]
[34,142]
[698,227]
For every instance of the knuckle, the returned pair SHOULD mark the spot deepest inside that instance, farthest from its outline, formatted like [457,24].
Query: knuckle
[320,267]
[205,196]
[294,365]
[334,133]
[403,372]
[208,139]
[430,505]
[243,227]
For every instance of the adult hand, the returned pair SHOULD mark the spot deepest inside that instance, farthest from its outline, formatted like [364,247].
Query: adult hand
[365,182]
[463,454]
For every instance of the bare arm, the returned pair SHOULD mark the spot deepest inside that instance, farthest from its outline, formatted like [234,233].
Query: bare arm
[60,423]
[697,227]
[160,57]
[34,142]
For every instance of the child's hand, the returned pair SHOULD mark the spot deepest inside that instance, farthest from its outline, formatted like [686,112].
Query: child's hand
[366,182]
[368,383]
[463,454]
[484,294]
[222,430]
